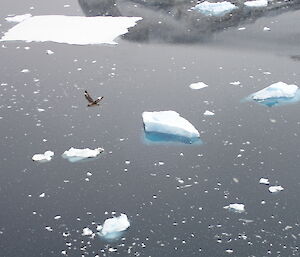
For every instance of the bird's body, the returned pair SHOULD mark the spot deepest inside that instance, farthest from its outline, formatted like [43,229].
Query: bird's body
[91,101]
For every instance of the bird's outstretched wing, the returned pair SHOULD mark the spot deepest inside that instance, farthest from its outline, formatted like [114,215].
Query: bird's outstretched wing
[98,99]
[88,97]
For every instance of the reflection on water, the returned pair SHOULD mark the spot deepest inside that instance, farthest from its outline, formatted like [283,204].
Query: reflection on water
[174,21]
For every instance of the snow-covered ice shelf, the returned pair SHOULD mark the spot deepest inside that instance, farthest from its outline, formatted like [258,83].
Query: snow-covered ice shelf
[71,29]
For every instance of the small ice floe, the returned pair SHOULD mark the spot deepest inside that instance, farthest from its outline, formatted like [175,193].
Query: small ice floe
[208,113]
[256,3]
[235,207]
[74,154]
[198,85]
[112,227]
[264,181]
[235,83]
[42,195]
[46,157]
[169,126]
[215,9]
[49,52]
[277,93]
[275,189]
[87,232]
[71,29]
[18,18]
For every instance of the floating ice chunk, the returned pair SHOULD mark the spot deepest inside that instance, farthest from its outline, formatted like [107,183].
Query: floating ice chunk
[275,189]
[235,83]
[49,52]
[74,154]
[18,18]
[276,90]
[215,9]
[169,122]
[47,156]
[236,207]
[71,29]
[87,232]
[198,85]
[112,227]
[264,181]
[42,195]
[256,3]
[208,113]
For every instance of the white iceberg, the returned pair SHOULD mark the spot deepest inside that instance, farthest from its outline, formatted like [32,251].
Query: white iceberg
[74,154]
[18,18]
[208,113]
[264,181]
[47,156]
[215,9]
[256,3]
[71,29]
[236,207]
[275,189]
[169,122]
[112,227]
[198,85]
[276,90]
[87,232]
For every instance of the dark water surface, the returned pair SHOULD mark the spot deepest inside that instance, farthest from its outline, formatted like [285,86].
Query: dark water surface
[241,143]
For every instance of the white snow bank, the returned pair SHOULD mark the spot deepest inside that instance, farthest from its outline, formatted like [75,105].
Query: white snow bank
[18,18]
[74,154]
[275,189]
[47,156]
[256,3]
[215,9]
[71,29]
[276,90]
[198,85]
[236,207]
[114,225]
[169,122]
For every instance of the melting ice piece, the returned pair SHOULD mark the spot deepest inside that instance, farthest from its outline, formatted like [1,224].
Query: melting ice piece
[87,232]
[169,123]
[74,154]
[264,181]
[198,85]
[215,9]
[275,189]
[236,207]
[71,29]
[18,18]
[277,93]
[112,227]
[276,90]
[208,113]
[256,3]
[47,156]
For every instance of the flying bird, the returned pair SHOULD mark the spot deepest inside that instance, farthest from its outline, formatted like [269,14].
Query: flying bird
[91,101]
